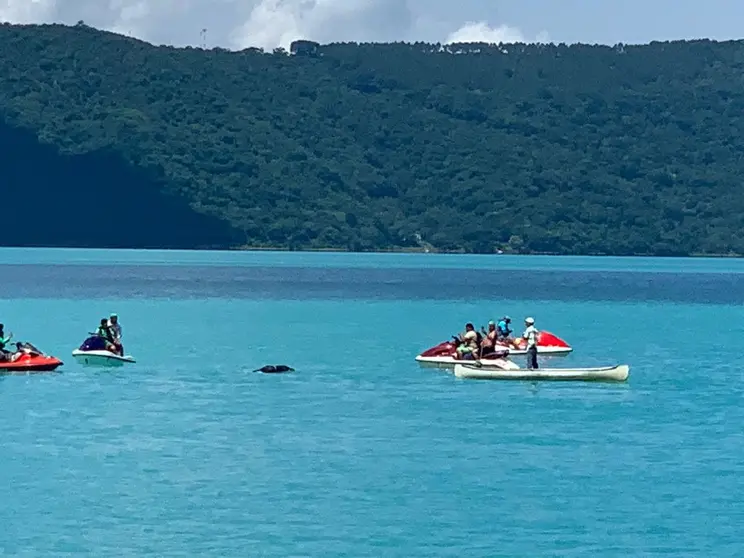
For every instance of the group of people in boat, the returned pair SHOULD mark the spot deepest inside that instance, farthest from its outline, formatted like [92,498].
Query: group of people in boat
[110,331]
[21,348]
[474,345]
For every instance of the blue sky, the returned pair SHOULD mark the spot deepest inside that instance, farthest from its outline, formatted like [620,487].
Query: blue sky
[627,21]
[269,23]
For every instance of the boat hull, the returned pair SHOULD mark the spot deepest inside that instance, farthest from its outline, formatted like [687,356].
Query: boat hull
[101,358]
[617,373]
[449,362]
[31,365]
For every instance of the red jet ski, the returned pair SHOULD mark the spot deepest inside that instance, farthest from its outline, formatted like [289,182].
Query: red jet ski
[442,355]
[29,359]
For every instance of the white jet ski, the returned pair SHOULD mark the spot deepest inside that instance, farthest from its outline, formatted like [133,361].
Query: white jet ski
[93,353]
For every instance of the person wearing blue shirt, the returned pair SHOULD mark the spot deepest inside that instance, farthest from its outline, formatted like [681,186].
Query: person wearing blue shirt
[503,328]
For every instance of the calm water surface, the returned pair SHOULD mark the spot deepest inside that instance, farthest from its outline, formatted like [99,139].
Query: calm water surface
[361,452]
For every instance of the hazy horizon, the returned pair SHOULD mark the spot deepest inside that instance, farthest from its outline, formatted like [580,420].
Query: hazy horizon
[238,24]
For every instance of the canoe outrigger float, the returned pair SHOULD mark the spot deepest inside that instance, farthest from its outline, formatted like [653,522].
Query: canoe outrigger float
[618,373]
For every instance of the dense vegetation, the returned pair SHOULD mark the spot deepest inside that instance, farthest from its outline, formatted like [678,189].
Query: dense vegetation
[527,148]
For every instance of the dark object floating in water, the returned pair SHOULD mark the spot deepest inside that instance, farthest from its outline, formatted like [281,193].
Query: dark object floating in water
[274,369]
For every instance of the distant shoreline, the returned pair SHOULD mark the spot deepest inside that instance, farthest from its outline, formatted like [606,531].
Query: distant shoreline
[377,251]
[463,253]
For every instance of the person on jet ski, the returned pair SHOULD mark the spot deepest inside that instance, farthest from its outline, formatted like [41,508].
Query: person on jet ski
[504,329]
[469,343]
[4,354]
[24,349]
[489,340]
[104,332]
[115,328]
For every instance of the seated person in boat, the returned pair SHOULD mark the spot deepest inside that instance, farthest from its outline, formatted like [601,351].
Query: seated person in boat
[504,331]
[488,344]
[4,353]
[469,343]
[115,328]
[104,331]
[24,349]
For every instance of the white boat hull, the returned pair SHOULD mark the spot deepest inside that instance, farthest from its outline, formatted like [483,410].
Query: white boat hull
[449,362]
[617,373]
[101,358]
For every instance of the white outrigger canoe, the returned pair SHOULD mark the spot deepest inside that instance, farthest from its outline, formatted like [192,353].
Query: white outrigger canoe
[618,373]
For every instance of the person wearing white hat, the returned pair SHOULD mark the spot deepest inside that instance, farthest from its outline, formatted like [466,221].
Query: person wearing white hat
[115,327]
[530,334]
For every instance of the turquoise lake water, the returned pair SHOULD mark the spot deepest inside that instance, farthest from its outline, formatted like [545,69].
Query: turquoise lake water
[361,452]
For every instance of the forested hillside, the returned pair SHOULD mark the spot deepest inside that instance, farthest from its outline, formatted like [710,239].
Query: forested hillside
[109,141]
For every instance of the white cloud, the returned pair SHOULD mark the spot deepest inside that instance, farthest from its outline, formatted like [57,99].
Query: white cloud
[130,16]
[481,32]
[270,23]
[273,23]
[26,11]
